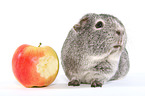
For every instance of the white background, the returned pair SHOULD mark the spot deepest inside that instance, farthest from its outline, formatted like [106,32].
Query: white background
[34,21]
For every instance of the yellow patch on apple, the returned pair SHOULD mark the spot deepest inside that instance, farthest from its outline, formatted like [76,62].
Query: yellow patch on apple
[47,66]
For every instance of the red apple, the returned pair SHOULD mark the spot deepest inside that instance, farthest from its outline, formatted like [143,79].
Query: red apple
[35,66]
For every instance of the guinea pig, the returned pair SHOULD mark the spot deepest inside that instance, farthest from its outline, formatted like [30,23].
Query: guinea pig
[94,51]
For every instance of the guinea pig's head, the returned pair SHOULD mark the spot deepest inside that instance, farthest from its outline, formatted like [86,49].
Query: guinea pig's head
[101,32]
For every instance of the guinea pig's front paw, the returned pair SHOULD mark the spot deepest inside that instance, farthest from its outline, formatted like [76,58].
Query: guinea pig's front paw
[74,83]
[96,84]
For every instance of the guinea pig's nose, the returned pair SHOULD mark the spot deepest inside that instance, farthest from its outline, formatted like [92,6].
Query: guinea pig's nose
[118,32]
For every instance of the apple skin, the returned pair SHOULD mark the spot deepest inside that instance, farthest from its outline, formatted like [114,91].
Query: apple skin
[25,65]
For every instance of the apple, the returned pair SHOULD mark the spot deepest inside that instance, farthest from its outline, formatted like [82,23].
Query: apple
[35,66]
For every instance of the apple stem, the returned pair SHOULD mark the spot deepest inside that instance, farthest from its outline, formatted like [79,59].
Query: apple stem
[40,44]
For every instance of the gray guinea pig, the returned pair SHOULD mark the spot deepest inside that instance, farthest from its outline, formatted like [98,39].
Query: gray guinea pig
[94,51]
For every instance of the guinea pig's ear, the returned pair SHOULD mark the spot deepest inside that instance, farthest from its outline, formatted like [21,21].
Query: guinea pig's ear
[81,24]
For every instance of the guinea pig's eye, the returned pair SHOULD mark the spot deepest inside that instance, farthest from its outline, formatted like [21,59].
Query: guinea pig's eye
[99,24]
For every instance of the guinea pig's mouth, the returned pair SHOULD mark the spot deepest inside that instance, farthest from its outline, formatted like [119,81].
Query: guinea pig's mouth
[117,46]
